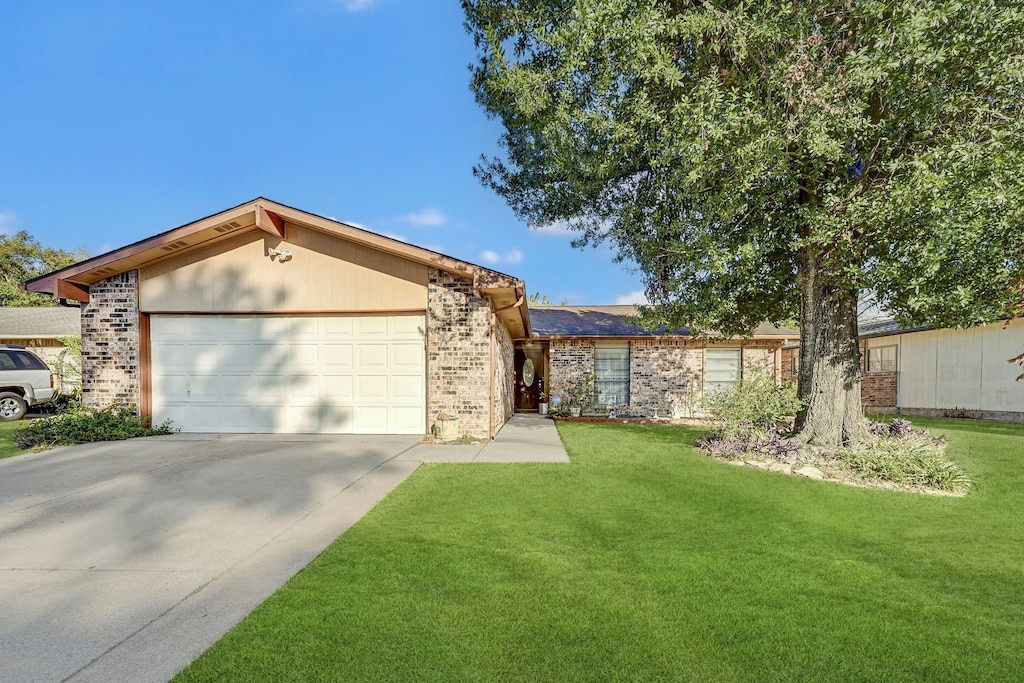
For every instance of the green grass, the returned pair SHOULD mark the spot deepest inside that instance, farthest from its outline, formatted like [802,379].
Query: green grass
[646,561]
[7,445]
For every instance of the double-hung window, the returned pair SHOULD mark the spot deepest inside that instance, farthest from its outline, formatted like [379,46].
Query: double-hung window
[721,368]
[611,369]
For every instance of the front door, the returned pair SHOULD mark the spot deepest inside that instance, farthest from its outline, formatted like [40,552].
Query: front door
[529,377]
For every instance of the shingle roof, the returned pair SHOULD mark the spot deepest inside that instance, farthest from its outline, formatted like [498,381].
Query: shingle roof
[610,321]
[36,322]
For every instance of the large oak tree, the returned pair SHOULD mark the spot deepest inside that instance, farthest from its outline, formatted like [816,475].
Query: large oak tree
[772,160]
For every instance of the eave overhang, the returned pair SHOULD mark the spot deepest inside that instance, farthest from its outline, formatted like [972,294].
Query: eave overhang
[260,214]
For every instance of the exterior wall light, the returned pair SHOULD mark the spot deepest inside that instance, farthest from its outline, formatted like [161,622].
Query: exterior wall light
[281,254]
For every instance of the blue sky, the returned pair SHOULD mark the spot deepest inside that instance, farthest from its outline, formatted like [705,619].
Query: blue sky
[119,120]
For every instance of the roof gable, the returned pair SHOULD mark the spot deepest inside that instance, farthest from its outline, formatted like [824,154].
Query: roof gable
[259,214]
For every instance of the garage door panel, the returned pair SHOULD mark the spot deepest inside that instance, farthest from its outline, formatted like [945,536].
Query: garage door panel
[235,388]
[172,386]
[204,388]
[405,327]
[303,357]
[406,356]
[372,326]
[371,356]
[337,419]
[236,418]
[206,356]
[290,374]
[406,420]
[304,387]
[371,419]
[236,356]
[339,326]
[301,419]
[337,356]
[406,388]
[372,388]
[337,386]
[170,354]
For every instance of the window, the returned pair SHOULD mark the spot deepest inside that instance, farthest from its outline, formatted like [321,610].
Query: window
[882,359]
[611,368]
[19,360]
[721,368]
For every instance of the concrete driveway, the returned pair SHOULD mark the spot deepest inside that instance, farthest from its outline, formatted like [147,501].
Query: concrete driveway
[125,561]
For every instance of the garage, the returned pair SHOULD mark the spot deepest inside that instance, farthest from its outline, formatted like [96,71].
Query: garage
[263,318]
[289,374]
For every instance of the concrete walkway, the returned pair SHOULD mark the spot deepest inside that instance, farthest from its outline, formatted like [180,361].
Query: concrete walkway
[527,437]
[125,561]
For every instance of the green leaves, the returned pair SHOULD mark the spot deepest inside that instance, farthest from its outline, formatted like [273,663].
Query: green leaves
[710,143]
[23,258]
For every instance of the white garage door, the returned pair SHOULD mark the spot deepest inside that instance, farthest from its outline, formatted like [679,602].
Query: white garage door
[336,374]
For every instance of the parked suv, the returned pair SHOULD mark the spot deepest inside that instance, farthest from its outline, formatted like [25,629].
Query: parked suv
[25,381]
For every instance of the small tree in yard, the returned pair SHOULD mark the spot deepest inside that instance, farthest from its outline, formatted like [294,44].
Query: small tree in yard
[771,161]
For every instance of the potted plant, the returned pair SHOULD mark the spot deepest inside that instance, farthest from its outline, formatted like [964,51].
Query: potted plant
[543,405]
[446,427]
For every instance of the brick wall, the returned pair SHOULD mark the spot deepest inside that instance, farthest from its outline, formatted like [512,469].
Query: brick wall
[504,375]
[665,377]
[458,353]
[567,360]
[758,358]
[877,389]
[110,342]
[790,357]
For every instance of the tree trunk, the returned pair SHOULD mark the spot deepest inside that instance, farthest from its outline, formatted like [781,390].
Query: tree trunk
[829,378]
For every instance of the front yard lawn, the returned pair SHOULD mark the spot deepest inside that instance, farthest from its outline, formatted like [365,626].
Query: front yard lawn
[644,560]
[7,445]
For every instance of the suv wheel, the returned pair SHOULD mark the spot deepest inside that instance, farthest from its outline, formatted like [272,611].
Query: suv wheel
[12,407]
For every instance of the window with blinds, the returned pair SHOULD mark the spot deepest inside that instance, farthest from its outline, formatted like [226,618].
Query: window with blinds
[882,359]
[721,368]
[611,367]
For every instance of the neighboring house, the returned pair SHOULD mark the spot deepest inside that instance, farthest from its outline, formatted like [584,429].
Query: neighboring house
[264,318]
[944,372]
[660,374]
[40,329]
[938,372]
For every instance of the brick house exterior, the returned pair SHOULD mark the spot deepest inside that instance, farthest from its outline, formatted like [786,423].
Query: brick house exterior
[264,266]
[111,368]
[667,372]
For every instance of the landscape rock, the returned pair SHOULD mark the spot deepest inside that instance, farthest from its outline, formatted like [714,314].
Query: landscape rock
[810,472]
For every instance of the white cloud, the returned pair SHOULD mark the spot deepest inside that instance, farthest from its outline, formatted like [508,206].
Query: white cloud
[427,218]
[493,257]
[358,5]
[556,228]
[633,298]
[8,223]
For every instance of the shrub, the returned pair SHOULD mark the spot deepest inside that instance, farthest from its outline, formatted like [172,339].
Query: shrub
[916,461]
[746,441]
[756,401]
[77,424]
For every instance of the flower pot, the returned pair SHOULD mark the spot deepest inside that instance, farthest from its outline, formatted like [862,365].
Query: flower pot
[543,408]
[446,429]
[575,411]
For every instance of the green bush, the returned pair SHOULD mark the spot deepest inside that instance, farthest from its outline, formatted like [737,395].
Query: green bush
[756,401]
[914,460]
[77,424]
